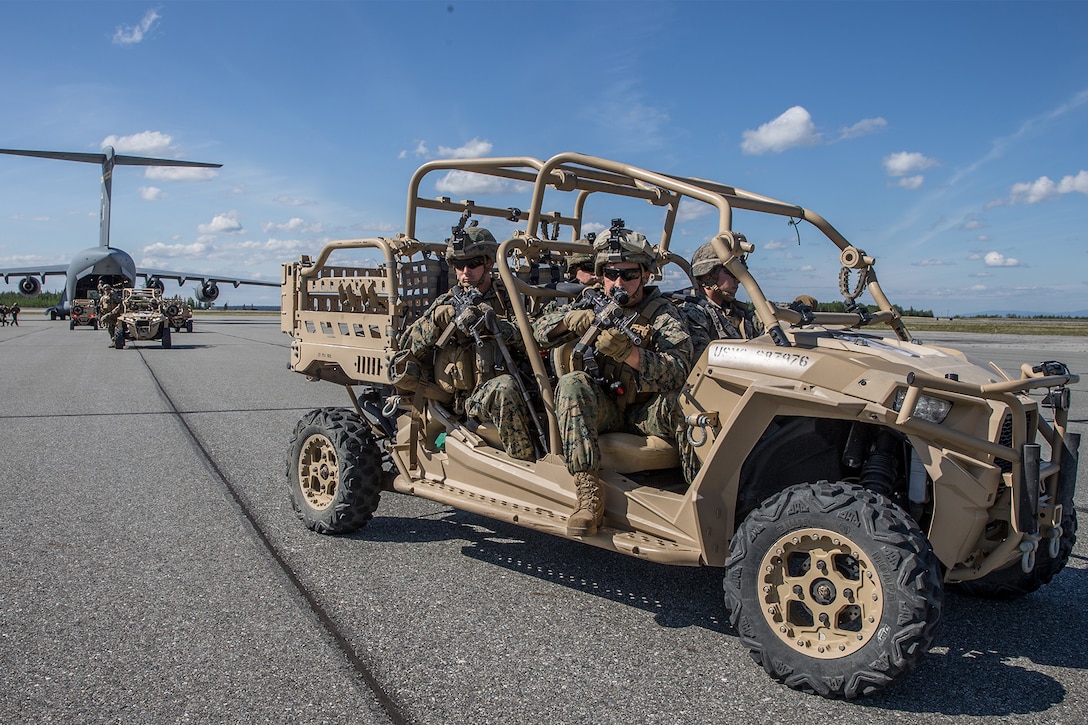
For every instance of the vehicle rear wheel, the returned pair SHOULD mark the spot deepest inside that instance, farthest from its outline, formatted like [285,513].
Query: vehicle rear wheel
[72,325]
[94,324]
[334,471]
[188,325]
[833,589]
[166,337]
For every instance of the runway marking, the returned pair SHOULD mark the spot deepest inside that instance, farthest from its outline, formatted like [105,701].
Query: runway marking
[385,700]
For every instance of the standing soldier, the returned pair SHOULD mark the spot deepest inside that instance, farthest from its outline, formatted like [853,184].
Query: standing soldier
[636,387]
[462,349]
[15,310]
[109,309]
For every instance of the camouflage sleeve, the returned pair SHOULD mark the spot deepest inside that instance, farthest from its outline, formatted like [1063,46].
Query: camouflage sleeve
[699,327]
[757,325]
[423,333]
[547,322]
[666,363]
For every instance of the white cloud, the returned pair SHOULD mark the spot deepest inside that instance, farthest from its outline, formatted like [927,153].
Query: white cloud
[151,193]
[196,249]
[932,263]
[864,127]
[290,201]
[792,128]
[222,224]
[147,143]
[1043,189]
[997,259]
[294,224]
[463,182]
[690,210]
[911,182]
[474,149]
[131,34]
[179,173]
[906,162]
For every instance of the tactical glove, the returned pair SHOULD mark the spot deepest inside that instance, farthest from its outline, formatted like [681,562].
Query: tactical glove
[443,316]
[614,344]
[578,321]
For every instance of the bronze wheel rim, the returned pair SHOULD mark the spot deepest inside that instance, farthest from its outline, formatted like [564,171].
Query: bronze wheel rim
[318,471]
[821,593]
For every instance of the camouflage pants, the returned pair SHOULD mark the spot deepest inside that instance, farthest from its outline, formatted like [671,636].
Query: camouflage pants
[584,411]
[498,401]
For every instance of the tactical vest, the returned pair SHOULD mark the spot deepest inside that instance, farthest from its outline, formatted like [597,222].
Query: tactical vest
[461,366]
[614,371]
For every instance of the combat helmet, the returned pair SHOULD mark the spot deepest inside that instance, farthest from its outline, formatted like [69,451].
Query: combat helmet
[471,242]
[576,260]
[620,244]
[704,260]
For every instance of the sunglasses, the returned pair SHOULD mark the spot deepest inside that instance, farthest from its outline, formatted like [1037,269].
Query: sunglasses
[628,275]
[469,263]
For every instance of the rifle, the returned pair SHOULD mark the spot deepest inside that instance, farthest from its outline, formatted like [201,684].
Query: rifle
[607,313]
[466,315]
[472,316]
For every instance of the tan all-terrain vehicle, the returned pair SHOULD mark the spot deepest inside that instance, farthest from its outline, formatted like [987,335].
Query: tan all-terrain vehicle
[84,313]
[848,471]
[179,314]
[142,317]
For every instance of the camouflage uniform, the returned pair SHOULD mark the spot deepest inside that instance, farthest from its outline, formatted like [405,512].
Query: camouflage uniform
[707,322]
[585,409]
[487,392]
[648,402]
[109,307]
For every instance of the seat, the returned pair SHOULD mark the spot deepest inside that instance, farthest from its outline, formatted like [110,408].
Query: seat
[630,452]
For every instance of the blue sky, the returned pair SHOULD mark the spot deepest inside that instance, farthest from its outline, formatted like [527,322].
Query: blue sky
[947,139]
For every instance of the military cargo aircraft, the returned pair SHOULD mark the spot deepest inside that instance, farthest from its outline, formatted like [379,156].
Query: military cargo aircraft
[108,264]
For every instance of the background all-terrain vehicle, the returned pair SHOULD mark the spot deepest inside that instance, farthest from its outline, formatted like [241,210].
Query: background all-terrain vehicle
[141,317]
[179,314]
[84,313]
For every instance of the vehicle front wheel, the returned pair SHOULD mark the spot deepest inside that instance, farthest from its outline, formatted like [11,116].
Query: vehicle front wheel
[833,589]
[334,471]
[119,337]
[166,337]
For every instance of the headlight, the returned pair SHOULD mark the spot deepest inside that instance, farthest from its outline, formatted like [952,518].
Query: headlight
[928,408]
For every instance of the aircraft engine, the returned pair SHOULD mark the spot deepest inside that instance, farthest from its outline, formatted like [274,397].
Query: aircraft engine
[156,283]
[208,292]
[29,286]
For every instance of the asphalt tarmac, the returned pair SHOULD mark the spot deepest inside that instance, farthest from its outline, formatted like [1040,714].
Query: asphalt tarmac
[153,571]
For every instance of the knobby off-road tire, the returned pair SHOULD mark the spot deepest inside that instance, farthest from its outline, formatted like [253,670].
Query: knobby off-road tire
[119,337]
[166,336]
[334,471]
[833,589]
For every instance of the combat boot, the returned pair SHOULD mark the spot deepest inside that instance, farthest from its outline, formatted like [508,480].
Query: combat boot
[589,512]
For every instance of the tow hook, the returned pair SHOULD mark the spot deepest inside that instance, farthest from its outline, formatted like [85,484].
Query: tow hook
[391,406]
[701,422]
[1028,547]
[1054,534]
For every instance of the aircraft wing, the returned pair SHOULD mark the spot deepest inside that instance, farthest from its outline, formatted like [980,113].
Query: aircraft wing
[41,271]
[183,277]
